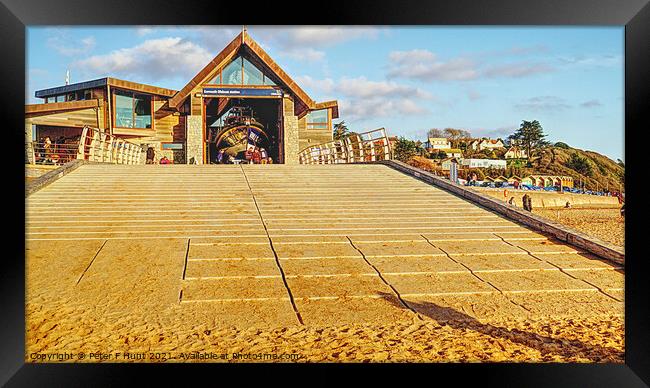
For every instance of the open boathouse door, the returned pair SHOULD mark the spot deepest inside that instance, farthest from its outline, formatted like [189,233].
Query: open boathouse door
[242,121]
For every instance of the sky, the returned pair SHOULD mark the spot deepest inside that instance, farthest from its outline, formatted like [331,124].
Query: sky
[405,79]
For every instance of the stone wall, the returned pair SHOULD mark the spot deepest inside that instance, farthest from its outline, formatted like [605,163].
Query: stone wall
[194,138]
[291,139]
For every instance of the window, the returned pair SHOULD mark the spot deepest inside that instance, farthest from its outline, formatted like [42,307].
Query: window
[232,74]
[132,110]
[318,119]
[60,98]
[71,97]
[252,75]
[241,72]
[216,80]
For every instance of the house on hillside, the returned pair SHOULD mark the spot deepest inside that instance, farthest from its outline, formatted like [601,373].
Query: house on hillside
[516,152]
[438,143]
[486,144]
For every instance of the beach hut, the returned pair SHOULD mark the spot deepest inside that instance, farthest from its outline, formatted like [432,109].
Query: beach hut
[529,181]
[500,178]
[514,179]
[548,181]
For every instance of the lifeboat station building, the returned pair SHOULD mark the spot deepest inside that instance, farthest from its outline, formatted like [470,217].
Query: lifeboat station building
[240,99]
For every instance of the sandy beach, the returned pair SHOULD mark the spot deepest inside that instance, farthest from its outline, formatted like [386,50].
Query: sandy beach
[603,223]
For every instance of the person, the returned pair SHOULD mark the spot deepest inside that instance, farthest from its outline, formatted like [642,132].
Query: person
[151,154]
[257,156]
[220,156]
[47,148]
[164,160]
[511,202]
[527,202]
[568,205]
[516,184]
[269,160]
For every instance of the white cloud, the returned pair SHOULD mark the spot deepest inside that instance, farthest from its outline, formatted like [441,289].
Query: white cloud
[142,31]
[308,54]
[605,60]
[543,103]
[306,43]
[361,99]
[152,60]
[424,65]
[517,70]
[591,104]
[62,43]
[494,133]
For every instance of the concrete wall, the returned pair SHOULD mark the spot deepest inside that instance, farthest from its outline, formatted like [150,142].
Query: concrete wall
[291,137]
[194,138]
[551,200]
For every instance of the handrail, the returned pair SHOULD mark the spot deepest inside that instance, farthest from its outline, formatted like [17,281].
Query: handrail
[368,146]
[93,145]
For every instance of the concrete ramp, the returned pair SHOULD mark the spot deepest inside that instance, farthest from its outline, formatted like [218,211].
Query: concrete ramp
[276,245]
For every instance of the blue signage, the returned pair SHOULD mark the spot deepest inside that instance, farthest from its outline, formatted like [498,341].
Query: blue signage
[242,92]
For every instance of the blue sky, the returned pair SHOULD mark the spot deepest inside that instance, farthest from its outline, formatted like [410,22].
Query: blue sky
[406,79]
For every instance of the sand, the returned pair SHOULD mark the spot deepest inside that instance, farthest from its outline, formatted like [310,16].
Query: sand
[603,223]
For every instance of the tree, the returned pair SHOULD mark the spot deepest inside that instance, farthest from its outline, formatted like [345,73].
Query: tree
[340,130]
[435,132]
[580,164]
[406,149]
[620,163]
[531,135]
[560,144]
[456,135]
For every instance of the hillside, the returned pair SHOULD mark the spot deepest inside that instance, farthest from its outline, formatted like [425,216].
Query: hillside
[604,171]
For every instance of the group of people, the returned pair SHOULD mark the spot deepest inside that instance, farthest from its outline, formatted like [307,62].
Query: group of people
[254,156]
[151,157]
[48,151]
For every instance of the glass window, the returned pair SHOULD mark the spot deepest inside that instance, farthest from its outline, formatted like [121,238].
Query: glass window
[231,74]
[132,110]
[71,97]
[317,116]
[123,110]
[267,81]
[60,98]
[142,111]
[252,75]
[216,80]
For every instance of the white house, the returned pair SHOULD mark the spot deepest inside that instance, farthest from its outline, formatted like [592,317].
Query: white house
[515,152]
[439,143]
[484,163]
[486,144]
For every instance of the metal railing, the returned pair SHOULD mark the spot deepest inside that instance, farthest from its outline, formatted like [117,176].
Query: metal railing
[93,145]
[368,146]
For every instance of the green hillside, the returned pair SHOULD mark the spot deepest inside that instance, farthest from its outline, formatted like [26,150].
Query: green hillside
[596,170]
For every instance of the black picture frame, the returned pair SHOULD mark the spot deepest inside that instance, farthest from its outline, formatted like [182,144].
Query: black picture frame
[15,15]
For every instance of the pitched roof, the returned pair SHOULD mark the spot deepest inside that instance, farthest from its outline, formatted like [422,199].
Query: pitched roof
[243,41]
